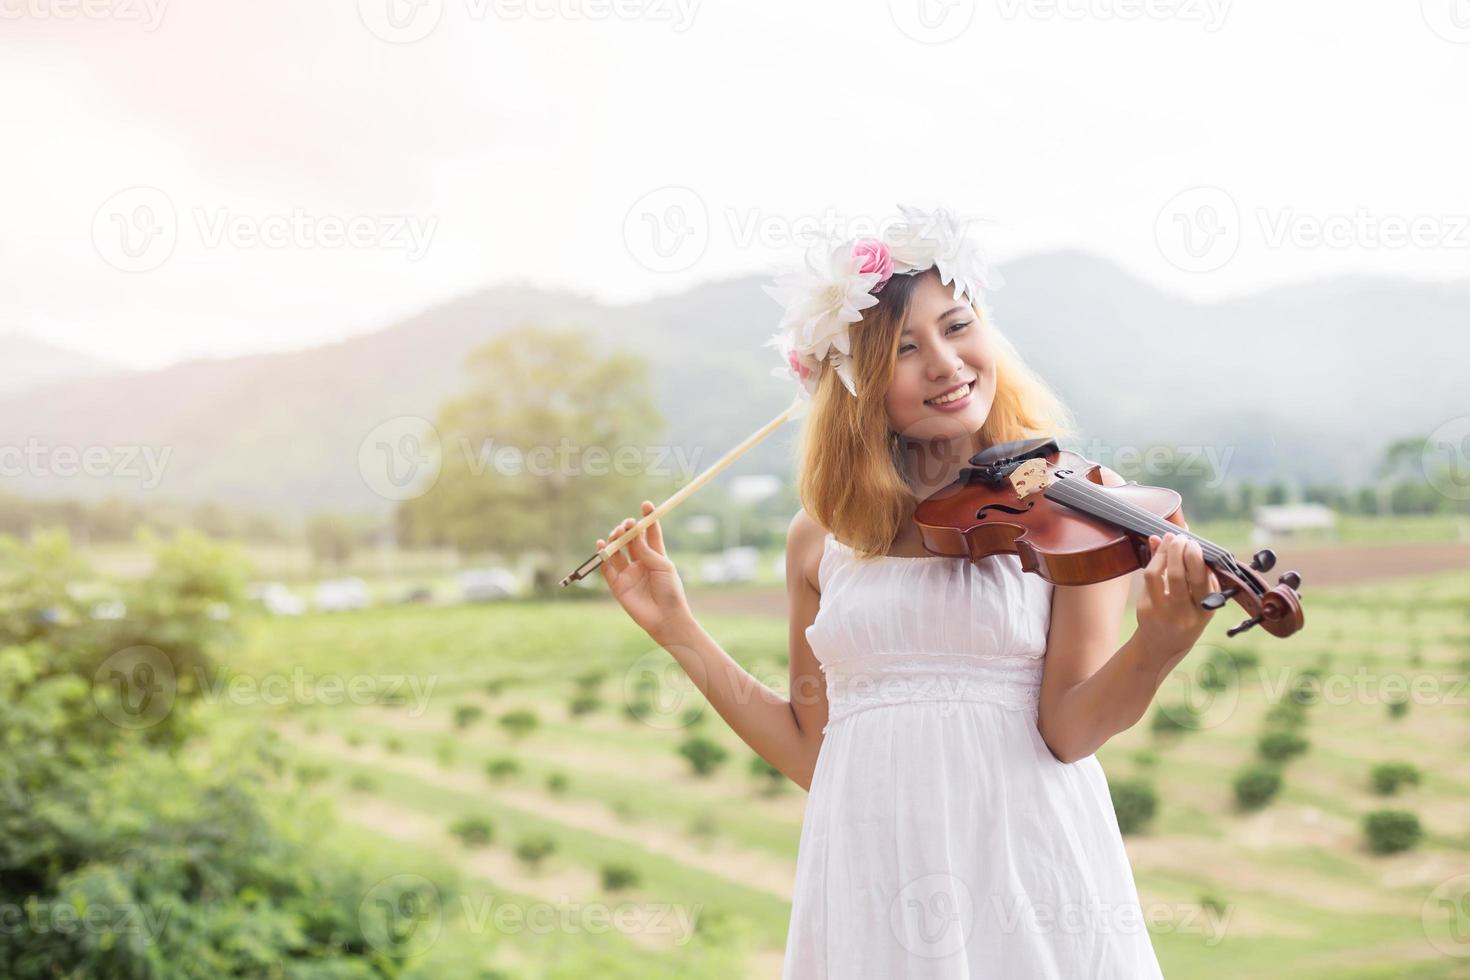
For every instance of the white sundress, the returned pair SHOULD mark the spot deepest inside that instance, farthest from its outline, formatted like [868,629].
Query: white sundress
[942,839]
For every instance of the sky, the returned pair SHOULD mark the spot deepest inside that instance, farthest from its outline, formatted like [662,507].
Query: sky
[189,178]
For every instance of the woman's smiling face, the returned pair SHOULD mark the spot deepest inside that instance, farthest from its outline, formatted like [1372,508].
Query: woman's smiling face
[944,344]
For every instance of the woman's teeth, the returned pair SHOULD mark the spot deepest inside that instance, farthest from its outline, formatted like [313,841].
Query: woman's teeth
[952,396]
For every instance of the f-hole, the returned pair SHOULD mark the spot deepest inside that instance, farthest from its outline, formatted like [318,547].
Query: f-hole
[981,514]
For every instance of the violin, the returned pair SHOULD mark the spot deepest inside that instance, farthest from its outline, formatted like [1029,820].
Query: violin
[1050,508]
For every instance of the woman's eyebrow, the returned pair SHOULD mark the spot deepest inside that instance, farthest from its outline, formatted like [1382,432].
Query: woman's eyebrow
[940,319]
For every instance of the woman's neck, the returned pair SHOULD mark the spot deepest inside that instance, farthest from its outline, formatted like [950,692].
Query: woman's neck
[931,466]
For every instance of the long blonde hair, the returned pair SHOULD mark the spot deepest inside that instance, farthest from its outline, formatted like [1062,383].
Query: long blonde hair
[852,475]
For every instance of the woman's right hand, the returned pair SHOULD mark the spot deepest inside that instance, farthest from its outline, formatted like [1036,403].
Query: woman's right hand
[645,582]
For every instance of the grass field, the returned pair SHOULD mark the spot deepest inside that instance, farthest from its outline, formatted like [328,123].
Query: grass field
[1290,890]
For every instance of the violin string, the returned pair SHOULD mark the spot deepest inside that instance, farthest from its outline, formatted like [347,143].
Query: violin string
[1143,520]
[1146,521]
[1161,527]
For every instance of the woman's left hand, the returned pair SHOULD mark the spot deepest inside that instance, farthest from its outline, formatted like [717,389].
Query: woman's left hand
[1176,578]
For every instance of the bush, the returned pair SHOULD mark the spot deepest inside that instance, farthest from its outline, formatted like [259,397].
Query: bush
[584,704]
[692,717]
[1387,777]
[393,744]
[1281,746]
[362,782]
[1145,758]
[772,780]
[519,723]
[1212,902]
[590,681]
[1257,786]
[1286,715]
[1308,687]
[502,767]
[704,754]
[1391,831]
[557,782]
[444,752]
[1217,672]
[1397,708]
[112,802]
[616,877]
[534,849]
[1172,719]
[1134,802]
[473,831]
[466,715]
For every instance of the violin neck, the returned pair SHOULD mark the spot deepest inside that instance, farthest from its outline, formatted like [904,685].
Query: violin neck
[1082,494]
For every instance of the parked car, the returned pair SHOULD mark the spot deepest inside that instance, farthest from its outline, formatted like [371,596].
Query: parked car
[488,584]
[277,599]
[731,565]
[341,594]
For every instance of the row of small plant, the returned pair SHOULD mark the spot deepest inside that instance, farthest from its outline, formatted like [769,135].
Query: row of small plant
[532,850]
[1282,739]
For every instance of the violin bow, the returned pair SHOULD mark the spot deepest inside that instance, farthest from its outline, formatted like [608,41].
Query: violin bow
[797,407]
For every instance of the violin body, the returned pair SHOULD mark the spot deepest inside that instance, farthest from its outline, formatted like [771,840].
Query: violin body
[1050,508]
[978,521]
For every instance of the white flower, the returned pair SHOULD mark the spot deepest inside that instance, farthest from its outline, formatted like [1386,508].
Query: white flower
[823,299]
[923,239]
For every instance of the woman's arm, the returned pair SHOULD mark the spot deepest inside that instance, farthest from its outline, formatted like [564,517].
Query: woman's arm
[1091,690]
[786,733]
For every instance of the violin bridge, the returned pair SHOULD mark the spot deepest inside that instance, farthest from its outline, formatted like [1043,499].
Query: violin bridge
[1028,478]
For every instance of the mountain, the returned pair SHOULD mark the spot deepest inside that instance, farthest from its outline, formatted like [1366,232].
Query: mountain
[1310,382]
[27,363]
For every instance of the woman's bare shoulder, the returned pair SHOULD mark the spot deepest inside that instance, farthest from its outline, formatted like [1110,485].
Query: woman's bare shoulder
[804,541]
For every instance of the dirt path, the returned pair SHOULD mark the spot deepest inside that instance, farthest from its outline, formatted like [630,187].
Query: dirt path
[649,925]
[1318,567]
[751,869]
[717,790]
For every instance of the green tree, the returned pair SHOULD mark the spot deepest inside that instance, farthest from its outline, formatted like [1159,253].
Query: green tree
[332,539]
[543,453]
[187,854]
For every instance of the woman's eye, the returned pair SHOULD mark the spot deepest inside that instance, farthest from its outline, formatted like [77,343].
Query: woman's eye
[952,326]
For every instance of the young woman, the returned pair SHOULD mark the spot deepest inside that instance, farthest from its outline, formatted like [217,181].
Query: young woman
[943,713]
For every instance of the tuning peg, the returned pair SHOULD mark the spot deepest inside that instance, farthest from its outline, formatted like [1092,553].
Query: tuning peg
[1263,560]
[1242,627]
[1291,580]
[1215,600]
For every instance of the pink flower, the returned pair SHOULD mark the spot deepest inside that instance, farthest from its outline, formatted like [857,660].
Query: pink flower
[872,256]
[799,369]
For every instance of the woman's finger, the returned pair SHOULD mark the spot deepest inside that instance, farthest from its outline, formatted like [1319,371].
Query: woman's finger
[655,533]
[1174,574]
[1153,579]
[606,567]
[1196,571]
[620,557]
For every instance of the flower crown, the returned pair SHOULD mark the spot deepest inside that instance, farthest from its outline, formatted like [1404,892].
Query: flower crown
[832,291]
